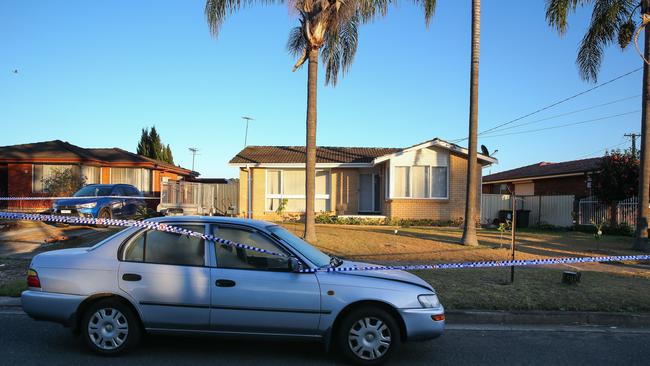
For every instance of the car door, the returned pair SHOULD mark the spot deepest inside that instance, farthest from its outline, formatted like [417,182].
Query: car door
[132,203]
[167,275]
[255,292]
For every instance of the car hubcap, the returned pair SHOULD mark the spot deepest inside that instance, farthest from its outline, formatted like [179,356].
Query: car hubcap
[369,338]
[108,328]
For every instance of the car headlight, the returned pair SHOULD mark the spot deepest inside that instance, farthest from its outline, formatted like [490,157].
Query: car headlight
[88,205]
[429,301]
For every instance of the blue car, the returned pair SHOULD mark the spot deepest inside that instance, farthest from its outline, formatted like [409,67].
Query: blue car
[119,201]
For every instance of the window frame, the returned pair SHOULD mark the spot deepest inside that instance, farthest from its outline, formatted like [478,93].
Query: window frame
[281,195]
[207,255]
[428,178]
[282,248]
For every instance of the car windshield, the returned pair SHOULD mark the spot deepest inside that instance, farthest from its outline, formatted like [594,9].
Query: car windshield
[314,255]
[94,191]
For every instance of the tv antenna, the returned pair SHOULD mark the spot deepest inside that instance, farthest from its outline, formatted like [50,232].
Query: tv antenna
[247,119]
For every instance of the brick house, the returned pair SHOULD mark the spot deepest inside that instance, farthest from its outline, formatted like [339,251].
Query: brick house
[425,181]
[23,167]
[544,178]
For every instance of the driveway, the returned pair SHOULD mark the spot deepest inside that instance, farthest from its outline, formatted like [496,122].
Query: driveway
[27,342]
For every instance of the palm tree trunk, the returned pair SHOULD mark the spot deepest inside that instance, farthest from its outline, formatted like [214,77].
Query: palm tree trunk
[310,166]
[471,196]
[641,242]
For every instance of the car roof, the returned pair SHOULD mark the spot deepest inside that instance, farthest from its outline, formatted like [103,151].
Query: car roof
[259,224]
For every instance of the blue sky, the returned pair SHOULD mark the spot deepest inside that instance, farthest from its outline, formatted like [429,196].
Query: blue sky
[95,75]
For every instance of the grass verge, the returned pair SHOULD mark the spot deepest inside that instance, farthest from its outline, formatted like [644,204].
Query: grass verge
[538,289]
[13,287]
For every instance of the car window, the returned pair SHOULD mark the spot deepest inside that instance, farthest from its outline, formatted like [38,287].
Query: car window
[239,258]
[155,246]
[132,191]
[117,191]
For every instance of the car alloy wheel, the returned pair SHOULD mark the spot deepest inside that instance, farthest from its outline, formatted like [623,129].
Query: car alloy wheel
[108,329]
[369,338]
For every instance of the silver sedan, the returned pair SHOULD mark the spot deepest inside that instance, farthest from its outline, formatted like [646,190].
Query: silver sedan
[146,281]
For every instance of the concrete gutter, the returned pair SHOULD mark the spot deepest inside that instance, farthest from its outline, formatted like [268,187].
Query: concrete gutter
[634,320]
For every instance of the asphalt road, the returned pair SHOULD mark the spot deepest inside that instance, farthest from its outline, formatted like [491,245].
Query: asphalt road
[27,342]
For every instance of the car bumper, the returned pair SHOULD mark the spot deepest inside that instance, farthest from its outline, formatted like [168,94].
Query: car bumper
[59,308]
[420,324]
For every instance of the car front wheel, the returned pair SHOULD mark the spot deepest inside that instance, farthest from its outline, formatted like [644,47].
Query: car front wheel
[109,327]
[368,336]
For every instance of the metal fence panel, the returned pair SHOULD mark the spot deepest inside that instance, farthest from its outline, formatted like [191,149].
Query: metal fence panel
[549,210]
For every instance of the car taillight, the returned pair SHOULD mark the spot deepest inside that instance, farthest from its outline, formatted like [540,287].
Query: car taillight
[32,279]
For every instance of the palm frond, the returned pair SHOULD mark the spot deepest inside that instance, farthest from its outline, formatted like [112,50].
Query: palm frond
[557,12]
[369,9]
[339,49]
[606,20]
[429,7]
[217,10]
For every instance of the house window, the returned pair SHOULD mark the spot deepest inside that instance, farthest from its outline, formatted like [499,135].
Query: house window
[140,178]
[42,172]
[421,182]
[289,184]
[402,181]
[91,173]
[439,182]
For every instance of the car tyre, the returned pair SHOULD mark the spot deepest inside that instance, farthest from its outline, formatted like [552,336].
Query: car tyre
[105,214]
[368,336]
[109,327]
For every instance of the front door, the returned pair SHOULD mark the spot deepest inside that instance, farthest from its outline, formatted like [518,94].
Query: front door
[255,292]
[167,275]
[366,194]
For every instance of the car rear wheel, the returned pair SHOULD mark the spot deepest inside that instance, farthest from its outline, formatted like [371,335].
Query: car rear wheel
[368,336]
[109,327]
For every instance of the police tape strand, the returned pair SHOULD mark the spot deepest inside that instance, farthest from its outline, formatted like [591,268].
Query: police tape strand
[75,198]
[153,225]
[131,223]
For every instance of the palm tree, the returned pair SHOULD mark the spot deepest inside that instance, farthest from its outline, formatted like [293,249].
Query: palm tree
[611,21]
[328,28]
[471,196]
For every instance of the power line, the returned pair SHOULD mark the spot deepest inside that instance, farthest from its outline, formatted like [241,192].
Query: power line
[565,114]
[564,125]
[557,103]
[601,150]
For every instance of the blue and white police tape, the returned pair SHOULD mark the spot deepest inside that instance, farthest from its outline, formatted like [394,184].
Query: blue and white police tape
[153,225]
[488,264]
[74,198]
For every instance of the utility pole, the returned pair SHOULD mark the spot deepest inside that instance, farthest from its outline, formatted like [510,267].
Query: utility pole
[247,119]
[633,136]
[194,151]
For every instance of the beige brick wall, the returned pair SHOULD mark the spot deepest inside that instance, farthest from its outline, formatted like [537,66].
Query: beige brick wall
[450,209]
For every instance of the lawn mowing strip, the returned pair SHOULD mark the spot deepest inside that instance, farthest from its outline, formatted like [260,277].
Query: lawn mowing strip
[152,225]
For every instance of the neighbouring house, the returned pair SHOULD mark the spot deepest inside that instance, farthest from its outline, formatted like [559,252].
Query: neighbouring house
[545,179]
[424,181]
[23,168]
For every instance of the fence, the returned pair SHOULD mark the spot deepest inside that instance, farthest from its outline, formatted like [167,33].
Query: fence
[591,209]
[192,198]
[544,210]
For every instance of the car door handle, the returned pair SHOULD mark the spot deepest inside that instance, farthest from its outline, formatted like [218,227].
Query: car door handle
[131,277]
[225,283]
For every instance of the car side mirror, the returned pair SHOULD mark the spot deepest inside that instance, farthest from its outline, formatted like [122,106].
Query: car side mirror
[295,265]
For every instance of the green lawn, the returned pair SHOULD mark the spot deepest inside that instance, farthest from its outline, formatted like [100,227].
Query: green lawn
[538,289]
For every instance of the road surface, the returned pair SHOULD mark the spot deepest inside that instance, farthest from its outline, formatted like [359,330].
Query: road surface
[27,342]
